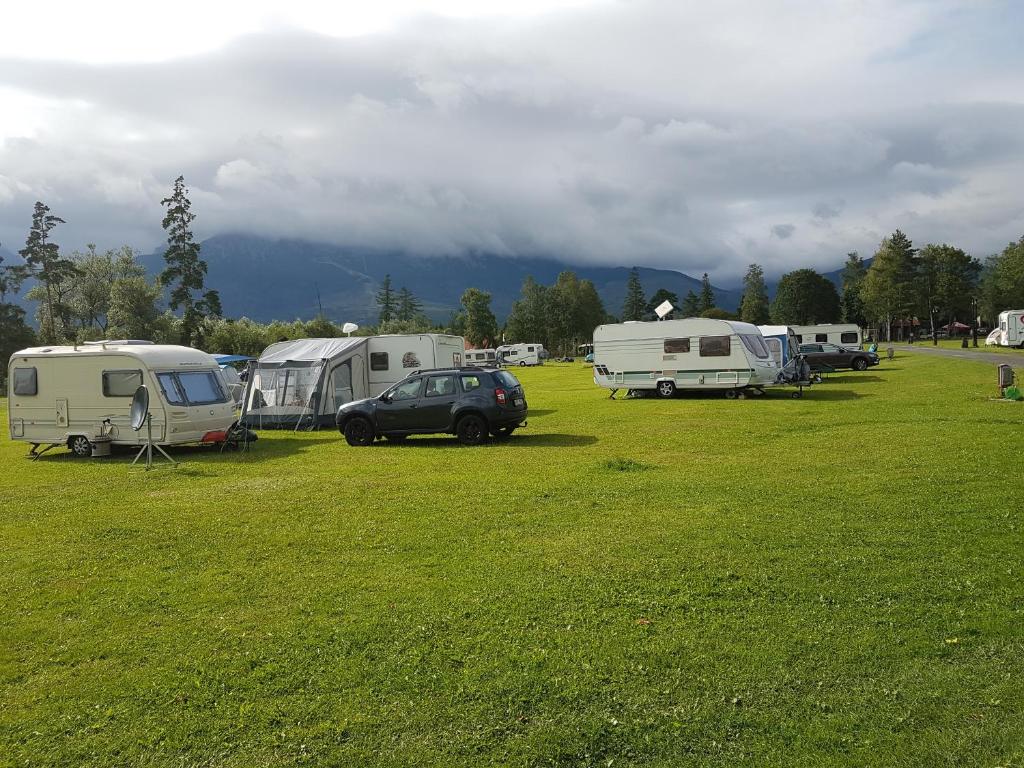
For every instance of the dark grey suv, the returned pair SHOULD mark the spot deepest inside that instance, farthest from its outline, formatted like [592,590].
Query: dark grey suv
[837,357]
[472,403]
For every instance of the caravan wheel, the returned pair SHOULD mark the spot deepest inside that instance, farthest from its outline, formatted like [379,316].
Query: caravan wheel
[522,363]
[666,388]
[80,446]
[730,394]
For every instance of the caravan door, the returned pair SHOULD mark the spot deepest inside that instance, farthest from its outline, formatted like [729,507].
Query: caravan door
[340,386]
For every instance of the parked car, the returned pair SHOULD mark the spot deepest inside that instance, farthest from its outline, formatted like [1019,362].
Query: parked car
[837,357]
[471,403]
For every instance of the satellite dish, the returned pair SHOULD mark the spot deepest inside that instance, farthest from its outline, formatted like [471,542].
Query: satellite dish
[140,407]
[349,328]
[663,309]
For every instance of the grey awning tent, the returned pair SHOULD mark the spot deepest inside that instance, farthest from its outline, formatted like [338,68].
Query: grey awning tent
[288,386]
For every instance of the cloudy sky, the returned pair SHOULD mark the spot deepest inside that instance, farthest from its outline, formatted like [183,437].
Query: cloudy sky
[692,135]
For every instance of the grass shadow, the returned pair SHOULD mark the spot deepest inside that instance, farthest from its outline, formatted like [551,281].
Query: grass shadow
[265,448]
[854,378]
[547,439]
[533,412]
[821,392]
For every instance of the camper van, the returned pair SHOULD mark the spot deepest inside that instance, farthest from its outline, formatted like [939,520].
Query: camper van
[782,342]
[300,384]
[79,395]
[481,358]
[841,334]
[691,354]
[1010,330]
[521,354]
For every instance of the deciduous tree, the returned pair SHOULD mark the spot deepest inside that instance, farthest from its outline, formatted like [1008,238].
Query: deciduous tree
[805,297]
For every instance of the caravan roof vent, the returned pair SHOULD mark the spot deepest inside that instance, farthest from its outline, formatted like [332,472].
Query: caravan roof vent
[103,342]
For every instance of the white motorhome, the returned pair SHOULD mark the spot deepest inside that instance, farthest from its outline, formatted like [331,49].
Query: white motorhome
[481,358]
[841,334]
[1010,330]
[691,354]
[300,384]
[521,354]
[80,395]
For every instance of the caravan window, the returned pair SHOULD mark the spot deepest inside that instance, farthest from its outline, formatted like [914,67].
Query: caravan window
[850,337]
[379,361]
[201,387]
[821,337]
[121,383]
[25,382]
[676,346]
[715,346]
[755,344]
[168,385]
[529,349]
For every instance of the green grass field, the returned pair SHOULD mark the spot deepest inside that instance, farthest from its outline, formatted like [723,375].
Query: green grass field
[827,581]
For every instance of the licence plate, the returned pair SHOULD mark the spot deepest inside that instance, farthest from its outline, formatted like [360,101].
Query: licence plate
[518,402]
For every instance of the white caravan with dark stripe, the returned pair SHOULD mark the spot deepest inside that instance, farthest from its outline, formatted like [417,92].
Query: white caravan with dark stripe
[691,354]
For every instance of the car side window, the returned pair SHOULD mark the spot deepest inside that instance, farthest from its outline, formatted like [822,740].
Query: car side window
[440,386]
[407,390]
[469,383]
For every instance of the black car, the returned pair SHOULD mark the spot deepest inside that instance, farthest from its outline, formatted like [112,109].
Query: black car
[469,402]
[837,357]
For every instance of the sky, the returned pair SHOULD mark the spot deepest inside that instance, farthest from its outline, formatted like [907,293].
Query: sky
[688,135]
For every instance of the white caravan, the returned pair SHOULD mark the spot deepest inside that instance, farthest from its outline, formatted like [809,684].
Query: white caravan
[481,358]
[691,354]
[81,395]
[1010,330]
[300,384]
[521,354]
[841,334]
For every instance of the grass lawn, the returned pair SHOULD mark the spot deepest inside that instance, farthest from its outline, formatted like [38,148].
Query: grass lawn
[827,581]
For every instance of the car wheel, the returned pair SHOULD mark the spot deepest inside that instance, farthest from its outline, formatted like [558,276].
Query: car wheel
[358,432]
[471,430]
[666,388]
[860,364]
[395,438]
[502,433]
[80,446]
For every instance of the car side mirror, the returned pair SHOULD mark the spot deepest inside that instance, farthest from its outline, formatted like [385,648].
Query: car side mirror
[385,398]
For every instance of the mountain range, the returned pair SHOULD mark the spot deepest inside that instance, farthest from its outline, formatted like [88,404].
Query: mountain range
[282,279]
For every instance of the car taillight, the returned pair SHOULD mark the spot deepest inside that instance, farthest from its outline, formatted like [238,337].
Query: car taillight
[500,394]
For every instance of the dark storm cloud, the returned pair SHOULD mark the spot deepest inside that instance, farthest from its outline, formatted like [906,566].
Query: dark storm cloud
[658,133]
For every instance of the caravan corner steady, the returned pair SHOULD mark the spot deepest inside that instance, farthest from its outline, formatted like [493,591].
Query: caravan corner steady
[691,354]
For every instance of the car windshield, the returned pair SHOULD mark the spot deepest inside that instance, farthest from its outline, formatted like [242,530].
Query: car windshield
[755,344]
[506,379]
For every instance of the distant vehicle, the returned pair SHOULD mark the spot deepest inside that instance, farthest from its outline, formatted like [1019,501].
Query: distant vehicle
[781,341]
[471,403]
[80,395]
[521,354]
[481,358]
[841,334]
[690,354]
[589,358]
[566,360]
[300,384]
[837,357]
[1009,331]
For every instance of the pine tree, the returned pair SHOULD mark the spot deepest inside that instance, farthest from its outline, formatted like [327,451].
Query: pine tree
[889,291]
[635,304]
[43,263]
[707,294]
[185,271]
[408,305]
[480,324]
[386,301]
[852,283]
[754,305]
[691,304]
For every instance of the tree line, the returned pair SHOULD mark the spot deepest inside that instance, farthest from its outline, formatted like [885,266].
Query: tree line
[92,295]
